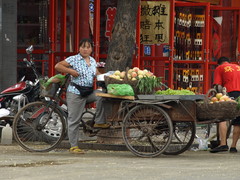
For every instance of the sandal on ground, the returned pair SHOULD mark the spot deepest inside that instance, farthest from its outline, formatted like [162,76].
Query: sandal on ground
[102,126]
[76,150]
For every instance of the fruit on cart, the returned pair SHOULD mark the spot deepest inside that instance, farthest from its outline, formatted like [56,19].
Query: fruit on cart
[132,74]
[136,73]
[118,75]
[122,74]
[214,99]
[136,69]
[219,97]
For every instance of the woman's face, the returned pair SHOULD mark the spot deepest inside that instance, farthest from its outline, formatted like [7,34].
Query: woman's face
[85,49]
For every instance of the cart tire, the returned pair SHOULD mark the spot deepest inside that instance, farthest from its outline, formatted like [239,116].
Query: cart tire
[147,130]
[183,137]
[31,134]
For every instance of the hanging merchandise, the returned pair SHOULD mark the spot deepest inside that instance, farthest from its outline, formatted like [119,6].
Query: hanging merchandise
[194,75]
[189,28]
[188,38]
[198,46]
[91,15]
[185,75]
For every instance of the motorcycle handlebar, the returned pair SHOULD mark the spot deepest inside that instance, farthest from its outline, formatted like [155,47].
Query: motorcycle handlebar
[29,50]
[30,63]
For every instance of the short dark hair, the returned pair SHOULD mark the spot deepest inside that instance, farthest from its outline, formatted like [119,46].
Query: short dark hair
[85,41]
[222,60]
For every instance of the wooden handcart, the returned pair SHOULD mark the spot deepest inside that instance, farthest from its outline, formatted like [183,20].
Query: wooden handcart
[155,124]
[150,125]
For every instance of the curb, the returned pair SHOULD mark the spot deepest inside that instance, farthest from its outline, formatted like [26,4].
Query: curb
[95,146]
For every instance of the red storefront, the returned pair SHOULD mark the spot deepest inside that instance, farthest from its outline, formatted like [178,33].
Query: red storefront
[198,32]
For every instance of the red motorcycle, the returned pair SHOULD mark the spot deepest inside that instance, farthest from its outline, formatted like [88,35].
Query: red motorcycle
[15,97]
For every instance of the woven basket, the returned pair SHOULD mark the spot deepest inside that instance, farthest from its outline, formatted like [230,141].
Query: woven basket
[221,111]
[50,91]
[133,84]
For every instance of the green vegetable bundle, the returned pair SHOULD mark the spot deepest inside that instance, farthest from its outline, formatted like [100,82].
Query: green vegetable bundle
[238,103]
[175,92]
[120,89]
[58,78]
[147,85]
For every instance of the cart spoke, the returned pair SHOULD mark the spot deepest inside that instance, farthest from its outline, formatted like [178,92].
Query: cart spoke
[183,137]
[147,130]
[39,127]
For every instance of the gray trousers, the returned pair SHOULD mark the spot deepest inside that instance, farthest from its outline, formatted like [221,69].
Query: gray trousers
[76,105]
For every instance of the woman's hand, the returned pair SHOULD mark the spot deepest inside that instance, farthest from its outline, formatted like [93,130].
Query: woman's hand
[73,72]
[64,67]
[97,72]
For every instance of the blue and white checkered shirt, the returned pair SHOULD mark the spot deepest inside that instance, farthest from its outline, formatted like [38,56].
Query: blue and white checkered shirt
[86,73]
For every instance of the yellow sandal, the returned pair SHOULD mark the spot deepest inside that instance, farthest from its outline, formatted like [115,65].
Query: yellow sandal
[76,150]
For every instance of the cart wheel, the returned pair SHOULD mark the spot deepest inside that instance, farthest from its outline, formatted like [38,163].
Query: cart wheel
[39,127]
[147,130]
[183,137]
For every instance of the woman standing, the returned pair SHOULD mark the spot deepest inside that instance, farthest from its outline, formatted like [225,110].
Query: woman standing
[82,68]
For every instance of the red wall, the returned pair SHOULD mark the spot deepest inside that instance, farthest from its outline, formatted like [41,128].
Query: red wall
[235,3]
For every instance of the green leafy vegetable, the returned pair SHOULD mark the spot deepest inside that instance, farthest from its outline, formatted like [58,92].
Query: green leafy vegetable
[175,92]
[238,103]
[147,85]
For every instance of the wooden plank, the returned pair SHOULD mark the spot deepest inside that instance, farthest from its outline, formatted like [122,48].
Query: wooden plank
[215,2]
[113,96]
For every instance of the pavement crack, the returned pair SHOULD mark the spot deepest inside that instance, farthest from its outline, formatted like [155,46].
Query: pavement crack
[35,164]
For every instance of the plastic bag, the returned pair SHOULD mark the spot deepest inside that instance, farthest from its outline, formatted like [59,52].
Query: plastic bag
[203,144]
[58,78]
[4,112]
[120,89]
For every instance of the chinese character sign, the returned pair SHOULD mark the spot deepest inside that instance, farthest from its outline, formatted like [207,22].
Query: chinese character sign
[111,12]
[154,22]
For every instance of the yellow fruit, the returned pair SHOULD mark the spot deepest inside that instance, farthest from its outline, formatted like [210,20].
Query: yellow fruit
[224,97]
[136,69]
[140,76]
[219,95]
[117,72]
[122,74]
[214,99]
[134,74]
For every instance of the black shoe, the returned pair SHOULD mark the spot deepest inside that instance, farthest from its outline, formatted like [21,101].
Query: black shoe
[214,144]
[219,149]
[233,150]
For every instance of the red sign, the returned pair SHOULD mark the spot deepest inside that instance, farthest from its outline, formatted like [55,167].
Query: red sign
[111,12]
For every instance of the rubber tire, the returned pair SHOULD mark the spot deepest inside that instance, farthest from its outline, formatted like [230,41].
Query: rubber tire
[32,127]
[142,125]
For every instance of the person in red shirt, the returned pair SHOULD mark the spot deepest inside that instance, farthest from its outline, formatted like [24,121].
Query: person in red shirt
[228,75]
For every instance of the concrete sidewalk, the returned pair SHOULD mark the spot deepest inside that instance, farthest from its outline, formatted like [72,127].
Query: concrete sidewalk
[17,164]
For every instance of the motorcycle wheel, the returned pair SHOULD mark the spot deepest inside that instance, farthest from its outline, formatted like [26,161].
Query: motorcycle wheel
[39,127]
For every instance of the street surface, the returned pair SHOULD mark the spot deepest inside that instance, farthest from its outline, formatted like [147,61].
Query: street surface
[18,164]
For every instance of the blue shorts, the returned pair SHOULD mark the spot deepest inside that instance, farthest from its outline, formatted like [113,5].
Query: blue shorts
[235,94]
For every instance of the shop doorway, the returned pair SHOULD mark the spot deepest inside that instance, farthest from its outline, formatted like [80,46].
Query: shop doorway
[223,37]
